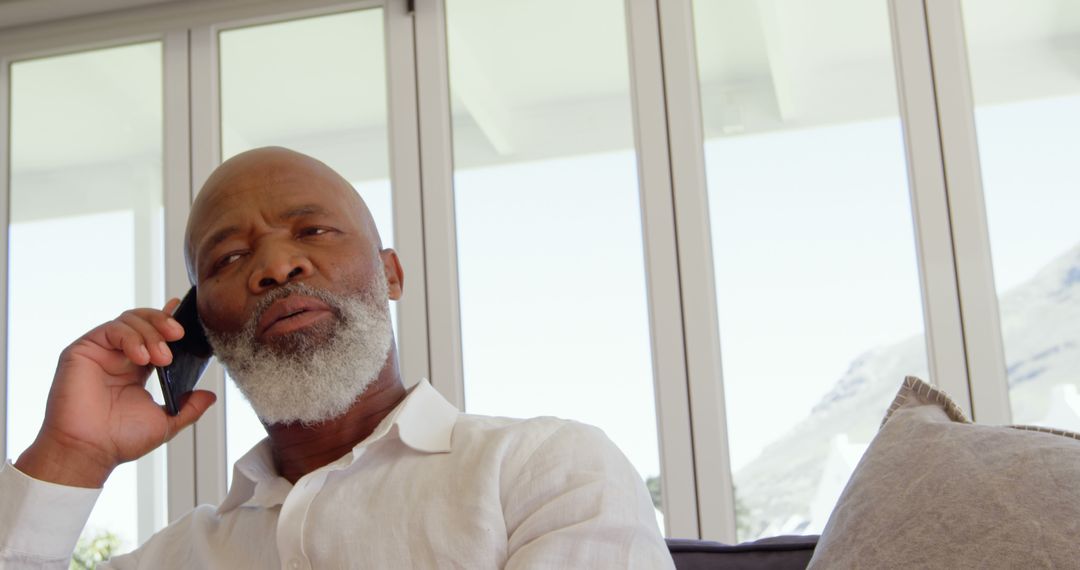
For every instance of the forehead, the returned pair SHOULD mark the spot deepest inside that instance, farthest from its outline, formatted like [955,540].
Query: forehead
[242,200]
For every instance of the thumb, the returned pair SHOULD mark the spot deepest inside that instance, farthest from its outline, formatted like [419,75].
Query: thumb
[195,405]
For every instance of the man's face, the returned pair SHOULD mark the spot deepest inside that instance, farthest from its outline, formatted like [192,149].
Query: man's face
[281,219]
[292,286]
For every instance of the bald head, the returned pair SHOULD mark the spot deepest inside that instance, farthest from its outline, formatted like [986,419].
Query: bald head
[266,176]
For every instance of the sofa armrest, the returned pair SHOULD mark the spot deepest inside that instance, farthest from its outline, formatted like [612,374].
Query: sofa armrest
[775,553]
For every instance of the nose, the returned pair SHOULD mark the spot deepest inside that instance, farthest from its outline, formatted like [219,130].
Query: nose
[279,267]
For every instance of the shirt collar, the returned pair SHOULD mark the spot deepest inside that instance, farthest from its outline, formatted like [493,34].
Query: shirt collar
[423,421]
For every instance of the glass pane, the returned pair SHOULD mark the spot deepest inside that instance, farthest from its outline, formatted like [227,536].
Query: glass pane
[816,275]
[86,215]
[1028,144]
[318,86]
[554,312]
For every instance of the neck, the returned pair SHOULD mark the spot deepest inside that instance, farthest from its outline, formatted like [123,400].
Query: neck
[298,450]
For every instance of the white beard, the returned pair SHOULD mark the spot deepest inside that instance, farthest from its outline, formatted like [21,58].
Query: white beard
[310,378]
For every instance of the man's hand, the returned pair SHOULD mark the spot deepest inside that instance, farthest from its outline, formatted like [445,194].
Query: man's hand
[99,413]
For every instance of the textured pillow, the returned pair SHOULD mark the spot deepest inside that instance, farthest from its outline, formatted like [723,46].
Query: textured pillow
[936,491]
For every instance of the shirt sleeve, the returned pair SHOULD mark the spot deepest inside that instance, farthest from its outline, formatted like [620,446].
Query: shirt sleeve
[577,502]
[40,522]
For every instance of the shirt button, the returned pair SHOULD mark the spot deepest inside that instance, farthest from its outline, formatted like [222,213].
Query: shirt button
[294,564]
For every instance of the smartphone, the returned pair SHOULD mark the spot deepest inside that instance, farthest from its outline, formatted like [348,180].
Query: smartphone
[191,354]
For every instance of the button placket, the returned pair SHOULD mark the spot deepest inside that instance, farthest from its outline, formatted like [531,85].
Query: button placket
[291,520]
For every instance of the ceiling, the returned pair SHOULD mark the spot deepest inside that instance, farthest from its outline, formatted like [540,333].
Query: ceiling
[22,12]
[528,79]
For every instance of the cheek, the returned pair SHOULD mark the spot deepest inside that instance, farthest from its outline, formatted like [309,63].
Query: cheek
[348,270]
[221,311]
[359,279]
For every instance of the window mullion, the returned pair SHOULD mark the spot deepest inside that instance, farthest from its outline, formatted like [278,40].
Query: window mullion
[971,237]
[716,499]
[5,193]
[209,453]
[405,184]
[929,199]
[436,175]
[177,173]
[662,270]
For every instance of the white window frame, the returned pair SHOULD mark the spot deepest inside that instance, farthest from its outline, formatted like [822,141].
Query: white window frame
[705,377]
[666,314]
[148,468]
[929,202]
[665,305]
[985,350]
[209,432]
[5,193]
[960,303]
[188,32]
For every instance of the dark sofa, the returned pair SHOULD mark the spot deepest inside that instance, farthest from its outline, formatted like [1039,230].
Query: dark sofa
[776,553]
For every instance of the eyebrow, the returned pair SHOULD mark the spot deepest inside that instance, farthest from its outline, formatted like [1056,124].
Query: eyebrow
[305,210]
[218,237]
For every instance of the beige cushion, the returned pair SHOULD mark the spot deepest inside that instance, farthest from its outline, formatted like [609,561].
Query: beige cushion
[936,491]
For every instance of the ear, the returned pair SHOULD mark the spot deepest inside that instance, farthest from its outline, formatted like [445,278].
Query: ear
[395,277]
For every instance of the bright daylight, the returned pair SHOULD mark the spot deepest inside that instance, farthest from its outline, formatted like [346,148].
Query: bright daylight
[820,300]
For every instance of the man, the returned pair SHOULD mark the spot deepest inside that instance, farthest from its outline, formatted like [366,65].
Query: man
[293,289]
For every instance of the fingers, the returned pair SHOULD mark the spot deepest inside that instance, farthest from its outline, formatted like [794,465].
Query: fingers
[162,322]
[154,328]
[195,405]
[120,336]
[141,334]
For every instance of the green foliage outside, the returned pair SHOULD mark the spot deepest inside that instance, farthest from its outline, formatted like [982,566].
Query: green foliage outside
[742,512]
[91,551]
[743,520]
[653,483]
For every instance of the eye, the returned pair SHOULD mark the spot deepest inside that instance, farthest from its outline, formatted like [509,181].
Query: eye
[227,259]
[313,231]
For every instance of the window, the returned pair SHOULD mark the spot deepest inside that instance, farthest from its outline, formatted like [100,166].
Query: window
[318,86]
[85,239]
[809,217]
[1027,146]
[816,274]
[554,314]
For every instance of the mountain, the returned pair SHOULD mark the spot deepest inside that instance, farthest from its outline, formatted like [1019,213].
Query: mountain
[1040,321]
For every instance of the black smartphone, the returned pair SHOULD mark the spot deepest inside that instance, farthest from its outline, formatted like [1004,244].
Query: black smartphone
[191,354]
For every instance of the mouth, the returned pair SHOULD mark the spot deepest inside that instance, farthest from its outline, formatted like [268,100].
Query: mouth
[291,314]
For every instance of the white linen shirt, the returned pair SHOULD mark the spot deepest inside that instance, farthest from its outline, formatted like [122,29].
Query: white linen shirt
[430,488]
